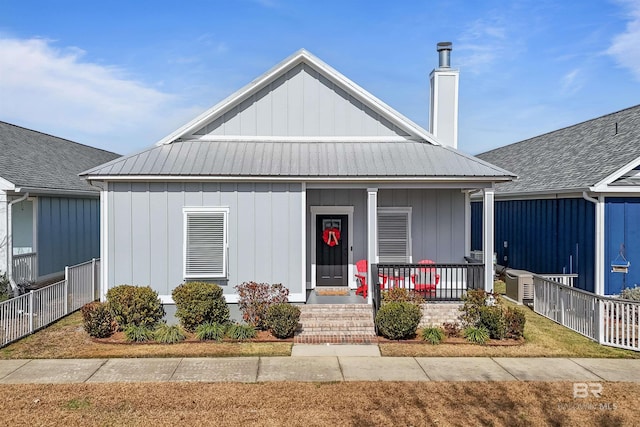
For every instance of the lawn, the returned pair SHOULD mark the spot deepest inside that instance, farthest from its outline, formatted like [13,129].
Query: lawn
[310,404]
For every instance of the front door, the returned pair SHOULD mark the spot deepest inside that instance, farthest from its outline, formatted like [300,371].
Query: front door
[332,254]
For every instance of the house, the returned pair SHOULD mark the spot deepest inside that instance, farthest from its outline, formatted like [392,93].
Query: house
[49,216]
[292,180]
[575,207]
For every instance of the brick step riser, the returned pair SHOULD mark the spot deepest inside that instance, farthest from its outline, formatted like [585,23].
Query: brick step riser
[335,339]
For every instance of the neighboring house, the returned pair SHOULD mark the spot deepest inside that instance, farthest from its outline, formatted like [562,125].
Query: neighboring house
[575,207]
[49,216]
[292,180]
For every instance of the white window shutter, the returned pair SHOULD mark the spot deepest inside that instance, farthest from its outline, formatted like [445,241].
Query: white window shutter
[205,246]
[393,237]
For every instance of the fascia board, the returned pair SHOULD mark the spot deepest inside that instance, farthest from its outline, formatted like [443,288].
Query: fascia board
[617,174]
[6,185]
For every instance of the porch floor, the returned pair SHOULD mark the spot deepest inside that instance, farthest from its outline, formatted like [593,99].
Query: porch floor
[352,298]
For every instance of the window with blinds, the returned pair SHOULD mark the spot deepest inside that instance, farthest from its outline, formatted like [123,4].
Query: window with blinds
[205,243]
[394,235]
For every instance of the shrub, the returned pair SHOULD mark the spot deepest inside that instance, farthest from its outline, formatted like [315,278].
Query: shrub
[451,329]
[493,320]
[97,320]
[198,303]
[477,335]
[254,299]
[282,319]
[433,335]
[398,320]
[135,333]
[631,293]
[402,295]
[515,320]
[166,334]
[210,331]
[241,332]
[134,305]
[5,288]
[473,300]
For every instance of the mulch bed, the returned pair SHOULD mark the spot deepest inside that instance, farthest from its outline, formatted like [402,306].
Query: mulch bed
[120,339]
[455,341]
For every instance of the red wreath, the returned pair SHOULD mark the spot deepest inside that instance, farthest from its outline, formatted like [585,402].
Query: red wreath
[331,236]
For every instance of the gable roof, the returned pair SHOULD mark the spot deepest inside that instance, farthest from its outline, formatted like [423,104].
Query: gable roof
[575,158]
[37,162]
[302,57]
[401,149]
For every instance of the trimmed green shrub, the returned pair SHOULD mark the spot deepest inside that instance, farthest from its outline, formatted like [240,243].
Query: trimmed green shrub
[473,300]
[631,293]
[210,331]
[198,303]
[476,335]
[97,320]
[135,333]
[5,288]
[493,320]
[398,320]
[134,305]
[240,332]
[282,319]
[166,334]
[433,335]
[254,299]
[402,295]
[515,321]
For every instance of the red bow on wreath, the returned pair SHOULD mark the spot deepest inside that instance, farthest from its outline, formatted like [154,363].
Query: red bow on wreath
[331,235]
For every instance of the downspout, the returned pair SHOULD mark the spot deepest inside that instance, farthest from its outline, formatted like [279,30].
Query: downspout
[598,285]
[14,286]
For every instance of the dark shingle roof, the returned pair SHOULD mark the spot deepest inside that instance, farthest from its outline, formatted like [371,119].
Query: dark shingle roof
[300,159]
[572,158]
[36,160]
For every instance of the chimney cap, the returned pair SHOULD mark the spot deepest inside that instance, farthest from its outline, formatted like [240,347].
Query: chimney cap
[444,46]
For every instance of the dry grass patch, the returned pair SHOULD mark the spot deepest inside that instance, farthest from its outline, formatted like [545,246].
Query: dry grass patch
[543,338]
[306,404]
[67,339]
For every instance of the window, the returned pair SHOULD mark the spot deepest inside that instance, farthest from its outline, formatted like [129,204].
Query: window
[205,242]
[394,235]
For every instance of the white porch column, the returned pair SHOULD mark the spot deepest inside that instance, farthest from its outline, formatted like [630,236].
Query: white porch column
[104,242]
[372,235]
[467,223]
[4,232]
[488,237]
[598,286]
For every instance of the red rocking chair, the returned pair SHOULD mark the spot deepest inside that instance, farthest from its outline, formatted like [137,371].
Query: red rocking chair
[426,278]
[362,267]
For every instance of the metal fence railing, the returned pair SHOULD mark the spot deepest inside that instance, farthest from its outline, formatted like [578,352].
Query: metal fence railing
[609,321]
[27,313]
[565,279]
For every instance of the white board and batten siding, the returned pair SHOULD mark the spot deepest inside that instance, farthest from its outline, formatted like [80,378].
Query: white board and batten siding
[146,233]
[301,103]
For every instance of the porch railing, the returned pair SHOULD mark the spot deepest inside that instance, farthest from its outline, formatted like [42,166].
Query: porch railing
[25,267]
[27,313]
[434,282]
[565,279]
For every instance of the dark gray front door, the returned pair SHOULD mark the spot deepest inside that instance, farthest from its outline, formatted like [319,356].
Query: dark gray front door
[332,256]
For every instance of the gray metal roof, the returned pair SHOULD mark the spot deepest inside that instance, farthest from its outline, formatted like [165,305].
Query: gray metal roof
[572,158]
[36,160]
[300,159]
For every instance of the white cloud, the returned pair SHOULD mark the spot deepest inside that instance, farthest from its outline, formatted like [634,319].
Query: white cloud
[625,47]
[572,82]
[56,91]
[481,45]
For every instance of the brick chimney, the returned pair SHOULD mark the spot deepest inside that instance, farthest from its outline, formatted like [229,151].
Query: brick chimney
[443,119]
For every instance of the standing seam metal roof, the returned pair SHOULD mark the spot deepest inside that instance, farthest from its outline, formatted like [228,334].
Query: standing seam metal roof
[299,159]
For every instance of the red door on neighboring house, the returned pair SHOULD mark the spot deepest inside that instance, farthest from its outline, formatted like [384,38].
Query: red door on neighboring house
[332,256]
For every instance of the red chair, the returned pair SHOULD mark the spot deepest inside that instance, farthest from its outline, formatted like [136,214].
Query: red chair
[362,267]
[426,279]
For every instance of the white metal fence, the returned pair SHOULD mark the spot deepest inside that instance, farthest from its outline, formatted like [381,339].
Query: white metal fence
[565,279]
[25,267]
[27,313]
[609,321]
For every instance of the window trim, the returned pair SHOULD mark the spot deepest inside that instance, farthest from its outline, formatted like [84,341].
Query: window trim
[396,210]
[186,211]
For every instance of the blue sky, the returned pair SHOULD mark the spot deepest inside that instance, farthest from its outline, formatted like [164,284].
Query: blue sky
[121,75]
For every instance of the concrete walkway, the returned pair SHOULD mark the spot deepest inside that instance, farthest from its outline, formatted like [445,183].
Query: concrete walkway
[317,368]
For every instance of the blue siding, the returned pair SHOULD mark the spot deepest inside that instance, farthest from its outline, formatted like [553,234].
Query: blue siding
[68,232]
[543,236]
[622,227]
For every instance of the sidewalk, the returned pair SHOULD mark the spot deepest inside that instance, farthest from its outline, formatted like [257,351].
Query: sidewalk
[340,366]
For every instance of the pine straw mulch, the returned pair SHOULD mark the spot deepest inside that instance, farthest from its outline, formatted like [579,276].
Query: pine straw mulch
[319,404]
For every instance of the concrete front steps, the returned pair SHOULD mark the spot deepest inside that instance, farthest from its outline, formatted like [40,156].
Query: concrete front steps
[336,324]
